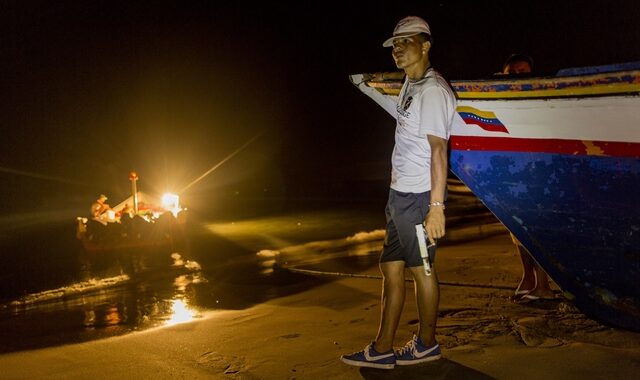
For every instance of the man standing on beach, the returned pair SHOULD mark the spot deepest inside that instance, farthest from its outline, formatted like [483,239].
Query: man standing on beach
[424,111]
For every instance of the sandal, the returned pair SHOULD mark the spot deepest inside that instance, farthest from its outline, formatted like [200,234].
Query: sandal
[519,294]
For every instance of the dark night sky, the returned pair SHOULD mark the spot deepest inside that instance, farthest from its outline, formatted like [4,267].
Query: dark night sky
[94,89]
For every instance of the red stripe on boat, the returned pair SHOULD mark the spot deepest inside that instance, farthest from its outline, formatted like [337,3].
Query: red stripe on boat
[576,147]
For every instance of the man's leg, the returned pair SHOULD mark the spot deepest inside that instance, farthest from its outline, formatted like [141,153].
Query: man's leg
[535,282]
[543,288]
[427,293]
[393,293]
[528,281]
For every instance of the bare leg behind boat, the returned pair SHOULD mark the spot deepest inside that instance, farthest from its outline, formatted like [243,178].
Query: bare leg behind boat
[535,281]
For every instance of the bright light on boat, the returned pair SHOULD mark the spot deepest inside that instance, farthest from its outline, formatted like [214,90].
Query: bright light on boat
[181,313]
[171,202]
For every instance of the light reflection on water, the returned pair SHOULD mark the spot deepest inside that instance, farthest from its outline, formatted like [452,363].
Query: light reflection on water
[182,313]
[162,293]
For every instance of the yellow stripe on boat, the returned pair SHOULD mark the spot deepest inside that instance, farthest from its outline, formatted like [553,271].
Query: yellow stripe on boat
[554,93]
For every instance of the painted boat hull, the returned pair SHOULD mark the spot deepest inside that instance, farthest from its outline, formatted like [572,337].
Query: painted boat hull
[557,160]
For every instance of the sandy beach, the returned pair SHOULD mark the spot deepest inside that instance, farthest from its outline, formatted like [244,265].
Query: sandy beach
[272,132]
[301,336]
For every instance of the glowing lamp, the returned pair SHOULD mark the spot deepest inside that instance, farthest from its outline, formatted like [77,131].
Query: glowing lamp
[171,202]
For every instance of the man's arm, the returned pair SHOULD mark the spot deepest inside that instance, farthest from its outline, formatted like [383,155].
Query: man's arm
[435,222]
[387,102]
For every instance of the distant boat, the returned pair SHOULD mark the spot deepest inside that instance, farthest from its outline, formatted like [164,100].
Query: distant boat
[557,161]
[140,221]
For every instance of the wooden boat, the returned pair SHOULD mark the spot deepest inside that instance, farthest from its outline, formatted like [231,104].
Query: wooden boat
[557,161]
[139,222]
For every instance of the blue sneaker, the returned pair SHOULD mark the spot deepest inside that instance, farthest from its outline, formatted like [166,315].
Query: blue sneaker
[369,357]
[415,352]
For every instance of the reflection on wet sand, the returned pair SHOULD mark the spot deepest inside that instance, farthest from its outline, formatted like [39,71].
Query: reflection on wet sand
[119,292]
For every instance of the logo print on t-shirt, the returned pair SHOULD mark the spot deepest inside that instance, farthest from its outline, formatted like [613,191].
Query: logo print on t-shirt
[407,103]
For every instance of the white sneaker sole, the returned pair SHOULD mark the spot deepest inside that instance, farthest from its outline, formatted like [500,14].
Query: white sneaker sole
[358,363]
[417,361]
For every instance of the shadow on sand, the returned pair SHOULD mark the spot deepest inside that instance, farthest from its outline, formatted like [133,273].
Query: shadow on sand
[442,369]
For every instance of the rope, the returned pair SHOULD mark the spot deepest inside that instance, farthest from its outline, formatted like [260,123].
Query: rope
[378,277]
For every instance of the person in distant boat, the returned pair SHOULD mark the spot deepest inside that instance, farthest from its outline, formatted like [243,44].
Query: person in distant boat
[99,208]
[126,211]
[517,64]
[535,282]
[425,112]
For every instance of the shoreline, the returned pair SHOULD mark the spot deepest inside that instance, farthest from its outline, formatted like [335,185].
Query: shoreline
[301,336]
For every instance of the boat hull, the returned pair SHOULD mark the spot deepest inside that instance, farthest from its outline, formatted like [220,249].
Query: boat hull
[577,217]
[168,233]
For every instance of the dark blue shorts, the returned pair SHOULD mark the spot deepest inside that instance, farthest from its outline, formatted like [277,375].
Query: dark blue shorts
[404,211]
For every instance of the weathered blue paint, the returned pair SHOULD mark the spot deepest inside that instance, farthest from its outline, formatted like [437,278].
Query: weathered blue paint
[575,71]
[577,215]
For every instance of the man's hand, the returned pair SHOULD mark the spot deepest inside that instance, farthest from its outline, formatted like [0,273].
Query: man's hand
[358,79]
[434,223]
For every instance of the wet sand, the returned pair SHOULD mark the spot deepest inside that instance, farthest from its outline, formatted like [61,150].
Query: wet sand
[302,336]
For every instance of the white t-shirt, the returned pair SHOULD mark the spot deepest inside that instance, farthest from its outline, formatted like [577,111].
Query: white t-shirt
[424,107]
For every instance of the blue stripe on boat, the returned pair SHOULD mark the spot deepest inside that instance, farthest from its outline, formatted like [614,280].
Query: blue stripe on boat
[575,71]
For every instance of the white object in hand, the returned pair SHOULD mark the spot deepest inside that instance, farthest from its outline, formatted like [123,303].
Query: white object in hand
[424,250]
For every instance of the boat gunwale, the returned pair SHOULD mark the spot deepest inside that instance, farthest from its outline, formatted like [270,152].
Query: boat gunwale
[619,83]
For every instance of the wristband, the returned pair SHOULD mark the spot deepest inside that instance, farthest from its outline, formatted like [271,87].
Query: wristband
[436,203]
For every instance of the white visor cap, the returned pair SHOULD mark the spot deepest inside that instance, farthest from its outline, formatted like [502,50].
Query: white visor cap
[408,26]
